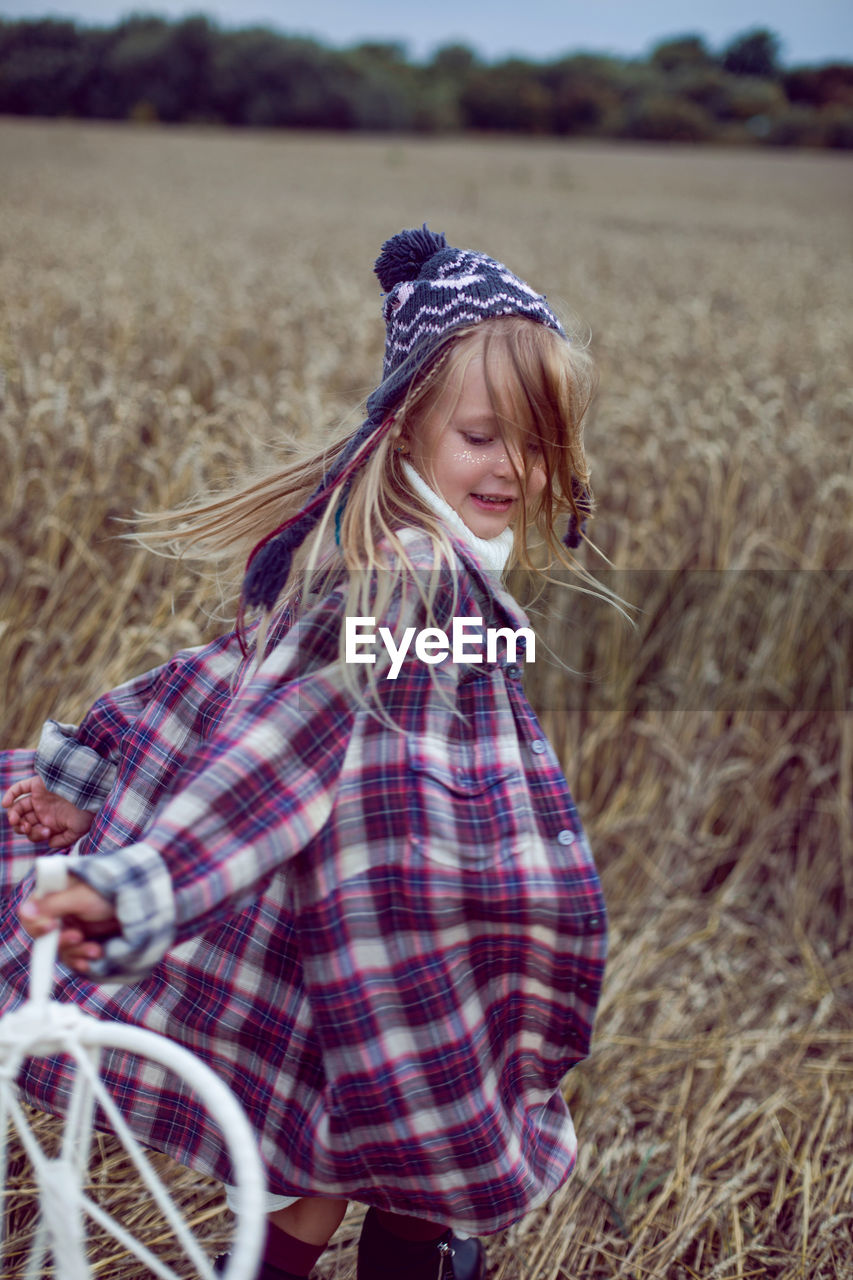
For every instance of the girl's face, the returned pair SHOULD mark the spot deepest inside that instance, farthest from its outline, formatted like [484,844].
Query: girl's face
[459,450]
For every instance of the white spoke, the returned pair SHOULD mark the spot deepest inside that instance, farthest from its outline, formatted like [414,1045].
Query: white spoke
[143,1167]
[136,1247]
[44,1028]
[38,1254]
[31,1145]
[58,1185]
[4,1142]
[60,1195]
[77,1135]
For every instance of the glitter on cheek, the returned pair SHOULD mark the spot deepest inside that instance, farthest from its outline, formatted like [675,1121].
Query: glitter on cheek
[467,458]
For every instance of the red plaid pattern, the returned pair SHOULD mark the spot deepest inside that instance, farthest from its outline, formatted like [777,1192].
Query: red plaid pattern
[389,941]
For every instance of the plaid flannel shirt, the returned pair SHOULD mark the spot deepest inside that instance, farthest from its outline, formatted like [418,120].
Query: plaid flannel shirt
[388,941]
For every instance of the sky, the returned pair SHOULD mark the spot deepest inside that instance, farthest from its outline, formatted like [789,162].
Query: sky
[810,31]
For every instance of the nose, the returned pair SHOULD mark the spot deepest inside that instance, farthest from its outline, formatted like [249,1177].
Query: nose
[509,463]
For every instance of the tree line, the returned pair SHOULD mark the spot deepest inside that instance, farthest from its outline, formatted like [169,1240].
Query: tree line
[149,69]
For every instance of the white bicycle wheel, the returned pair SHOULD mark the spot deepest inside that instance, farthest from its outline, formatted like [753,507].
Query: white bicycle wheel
[46,1028]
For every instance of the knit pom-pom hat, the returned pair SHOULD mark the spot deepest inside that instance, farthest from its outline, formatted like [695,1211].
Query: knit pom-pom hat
[431,289]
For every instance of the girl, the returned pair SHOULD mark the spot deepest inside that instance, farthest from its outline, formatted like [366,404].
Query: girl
[350,874]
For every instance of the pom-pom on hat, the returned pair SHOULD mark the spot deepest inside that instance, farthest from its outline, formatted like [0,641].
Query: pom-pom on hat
[431,290]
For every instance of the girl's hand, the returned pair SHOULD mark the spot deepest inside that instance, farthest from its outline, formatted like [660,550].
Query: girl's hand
[42,815]
[82,915]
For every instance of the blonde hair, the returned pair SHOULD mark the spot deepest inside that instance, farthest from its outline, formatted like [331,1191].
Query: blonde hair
[540,387]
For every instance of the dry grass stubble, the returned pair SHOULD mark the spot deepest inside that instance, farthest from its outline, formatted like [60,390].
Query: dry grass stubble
[172,301]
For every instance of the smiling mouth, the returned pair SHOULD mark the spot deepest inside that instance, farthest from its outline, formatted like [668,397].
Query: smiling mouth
[490,500]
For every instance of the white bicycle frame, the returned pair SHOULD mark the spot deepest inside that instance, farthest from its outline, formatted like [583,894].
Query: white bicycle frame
[43,1027]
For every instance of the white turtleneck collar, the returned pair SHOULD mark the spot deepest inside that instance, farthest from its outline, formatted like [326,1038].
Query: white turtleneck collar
[492,553]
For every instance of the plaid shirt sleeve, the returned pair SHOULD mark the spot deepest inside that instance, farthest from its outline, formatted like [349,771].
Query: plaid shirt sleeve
[70,770]
[179,702]
[252,798]
[78,762]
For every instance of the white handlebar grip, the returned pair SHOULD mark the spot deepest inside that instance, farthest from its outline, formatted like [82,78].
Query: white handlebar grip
[51,877]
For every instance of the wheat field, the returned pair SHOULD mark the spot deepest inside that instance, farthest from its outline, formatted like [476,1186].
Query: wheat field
[173,302]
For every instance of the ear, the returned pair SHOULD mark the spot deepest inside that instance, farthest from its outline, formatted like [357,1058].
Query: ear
[401,443]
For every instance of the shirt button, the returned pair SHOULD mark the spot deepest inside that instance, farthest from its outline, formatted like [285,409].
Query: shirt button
[513,671]
[566,837]
[538,746]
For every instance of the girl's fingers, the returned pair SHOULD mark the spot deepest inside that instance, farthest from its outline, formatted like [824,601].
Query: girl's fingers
[77,952]
[42,915]
[35,920]
[38,918]
[11,794]
[93,913]
[22,789]
[19,810]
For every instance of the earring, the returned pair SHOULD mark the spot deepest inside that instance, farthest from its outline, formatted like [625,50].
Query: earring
[400,448]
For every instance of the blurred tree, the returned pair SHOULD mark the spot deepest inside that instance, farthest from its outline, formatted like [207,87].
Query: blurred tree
[796,127]
[802,127]
[729,97]
[154,69]
[454,61]
[747,97]
[38,67]
[509,96]
[585,93]
[837,125]
[148,68]
[666,118]
[830,85]
[682,53]
[42,33]
[259,78]
[384,86]
[437,109]
[94,92]
[241,60]
[384,53]
[755,53]
[138,72]
[190,55]
[441,83]
[708,88]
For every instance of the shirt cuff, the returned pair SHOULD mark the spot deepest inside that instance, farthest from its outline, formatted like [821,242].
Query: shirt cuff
[138,883]
[69,769]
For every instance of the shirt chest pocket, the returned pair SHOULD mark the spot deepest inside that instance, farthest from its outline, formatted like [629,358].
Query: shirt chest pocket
[470,804]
